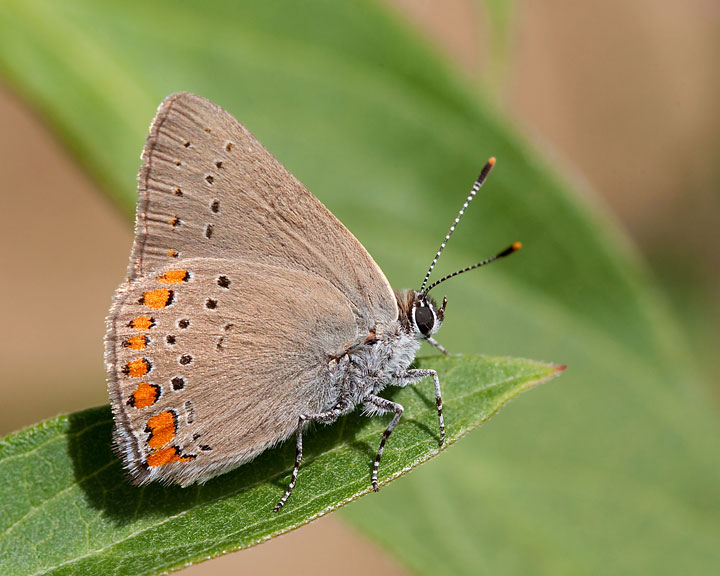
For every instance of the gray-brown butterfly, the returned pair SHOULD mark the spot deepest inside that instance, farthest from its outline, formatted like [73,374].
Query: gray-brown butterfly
[248,310]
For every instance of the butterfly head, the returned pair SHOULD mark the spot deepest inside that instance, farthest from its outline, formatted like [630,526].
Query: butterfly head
[420,316]
[425,315]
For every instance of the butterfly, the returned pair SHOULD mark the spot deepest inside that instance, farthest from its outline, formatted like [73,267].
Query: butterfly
[249,310]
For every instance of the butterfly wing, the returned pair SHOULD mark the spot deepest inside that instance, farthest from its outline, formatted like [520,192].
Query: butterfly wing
[208,188]
[211,361]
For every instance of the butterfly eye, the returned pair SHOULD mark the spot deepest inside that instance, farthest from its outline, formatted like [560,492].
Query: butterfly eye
[424,319]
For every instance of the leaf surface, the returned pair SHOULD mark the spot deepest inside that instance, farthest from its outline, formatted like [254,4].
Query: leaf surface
[67,508]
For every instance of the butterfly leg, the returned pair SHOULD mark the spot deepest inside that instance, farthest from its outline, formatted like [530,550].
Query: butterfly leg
[324,417]
[380,405]
[417,374]
[437,345]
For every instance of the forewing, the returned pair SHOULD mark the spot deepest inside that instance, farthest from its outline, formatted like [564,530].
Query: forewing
[211,361]
[208,188]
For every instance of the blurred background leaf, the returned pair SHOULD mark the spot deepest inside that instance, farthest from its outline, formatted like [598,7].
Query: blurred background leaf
[612,469]
[500,16]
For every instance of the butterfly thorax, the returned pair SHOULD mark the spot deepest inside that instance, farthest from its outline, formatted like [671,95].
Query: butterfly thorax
[386,352]
[369,366]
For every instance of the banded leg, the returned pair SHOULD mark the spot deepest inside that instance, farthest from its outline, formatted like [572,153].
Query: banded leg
[382,405]
[325,417]
[422,373]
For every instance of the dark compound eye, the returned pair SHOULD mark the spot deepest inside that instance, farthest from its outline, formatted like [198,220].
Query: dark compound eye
[424,319]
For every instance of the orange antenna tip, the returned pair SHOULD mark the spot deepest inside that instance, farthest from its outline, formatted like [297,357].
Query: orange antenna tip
[492,161]
[517,246]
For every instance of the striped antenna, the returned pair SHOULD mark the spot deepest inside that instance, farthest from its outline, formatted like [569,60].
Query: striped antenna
[478,184]
[509,250]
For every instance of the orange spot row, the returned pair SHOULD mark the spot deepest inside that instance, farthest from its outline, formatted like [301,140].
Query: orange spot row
[157,298]
[136,342]
[145,395]
[167,456]
[137,368]
[142,323]
[174,277]
[162,428]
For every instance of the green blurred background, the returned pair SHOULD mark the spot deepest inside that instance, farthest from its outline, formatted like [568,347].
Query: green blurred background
[386,111]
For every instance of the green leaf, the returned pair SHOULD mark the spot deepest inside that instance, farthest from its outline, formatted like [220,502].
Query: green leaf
[613,472]
[67,509]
